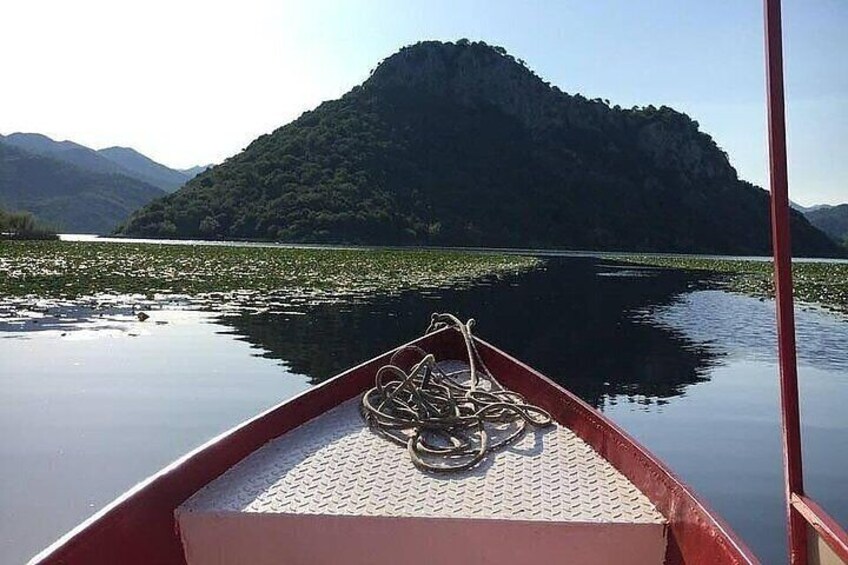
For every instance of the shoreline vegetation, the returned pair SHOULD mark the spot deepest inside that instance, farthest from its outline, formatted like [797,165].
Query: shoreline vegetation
[821,284]
[23,226]
[240,276]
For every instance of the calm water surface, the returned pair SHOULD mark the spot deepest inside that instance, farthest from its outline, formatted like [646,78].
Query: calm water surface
[91,402]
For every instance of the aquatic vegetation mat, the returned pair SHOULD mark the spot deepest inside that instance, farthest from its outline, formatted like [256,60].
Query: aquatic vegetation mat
[262,278]
[823,284]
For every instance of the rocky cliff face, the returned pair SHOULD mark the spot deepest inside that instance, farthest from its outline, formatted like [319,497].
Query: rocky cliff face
[470,74]
[679,146]
[475,73]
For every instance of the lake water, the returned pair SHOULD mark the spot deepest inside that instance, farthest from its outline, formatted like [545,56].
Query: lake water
[93,402]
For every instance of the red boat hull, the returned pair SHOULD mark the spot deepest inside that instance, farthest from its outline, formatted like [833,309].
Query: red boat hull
[140,528]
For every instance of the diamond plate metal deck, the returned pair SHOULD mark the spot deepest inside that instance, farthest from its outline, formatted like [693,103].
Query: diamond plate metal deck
[334,465]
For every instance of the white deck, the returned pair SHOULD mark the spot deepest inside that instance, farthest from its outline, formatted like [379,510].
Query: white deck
[334,466]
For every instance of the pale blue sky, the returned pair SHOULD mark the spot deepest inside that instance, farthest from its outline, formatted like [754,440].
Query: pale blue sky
[190,82]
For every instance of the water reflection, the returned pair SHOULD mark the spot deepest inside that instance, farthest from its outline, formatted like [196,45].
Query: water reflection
[632,341]
[745,326]
[570,321]
[87,411]
[724,438]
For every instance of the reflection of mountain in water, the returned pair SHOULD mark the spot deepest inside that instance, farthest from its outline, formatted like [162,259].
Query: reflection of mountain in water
[570,321]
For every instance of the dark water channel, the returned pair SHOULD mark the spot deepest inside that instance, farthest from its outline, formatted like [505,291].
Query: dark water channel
[91,406]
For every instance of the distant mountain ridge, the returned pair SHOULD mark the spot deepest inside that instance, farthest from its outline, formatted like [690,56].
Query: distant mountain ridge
[75,188]
[67,151]
[111,160]
[461,144]
[65,196]
[192,172]
[805,209]
[832,220]
[144,168]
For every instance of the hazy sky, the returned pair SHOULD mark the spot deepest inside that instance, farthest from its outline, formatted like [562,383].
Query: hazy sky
[194,82]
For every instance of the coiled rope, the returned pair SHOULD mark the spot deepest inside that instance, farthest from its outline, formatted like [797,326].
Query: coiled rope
[448,421]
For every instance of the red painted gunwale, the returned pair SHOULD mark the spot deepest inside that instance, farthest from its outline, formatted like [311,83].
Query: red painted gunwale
[826,527]
[139,527]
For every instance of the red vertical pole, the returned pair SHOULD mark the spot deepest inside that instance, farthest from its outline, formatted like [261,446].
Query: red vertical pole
[783,281]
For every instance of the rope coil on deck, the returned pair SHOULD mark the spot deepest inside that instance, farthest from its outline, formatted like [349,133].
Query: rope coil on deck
[448,421]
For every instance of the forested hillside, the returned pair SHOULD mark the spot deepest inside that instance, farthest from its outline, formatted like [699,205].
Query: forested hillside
[66,197]
[461,144]
[832,220]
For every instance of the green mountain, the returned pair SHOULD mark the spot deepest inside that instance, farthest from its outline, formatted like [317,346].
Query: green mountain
[832,220]
[65,196]
[110,161]
[67,151]
[145,169]
[192,172]
[805,209]
[460,144]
